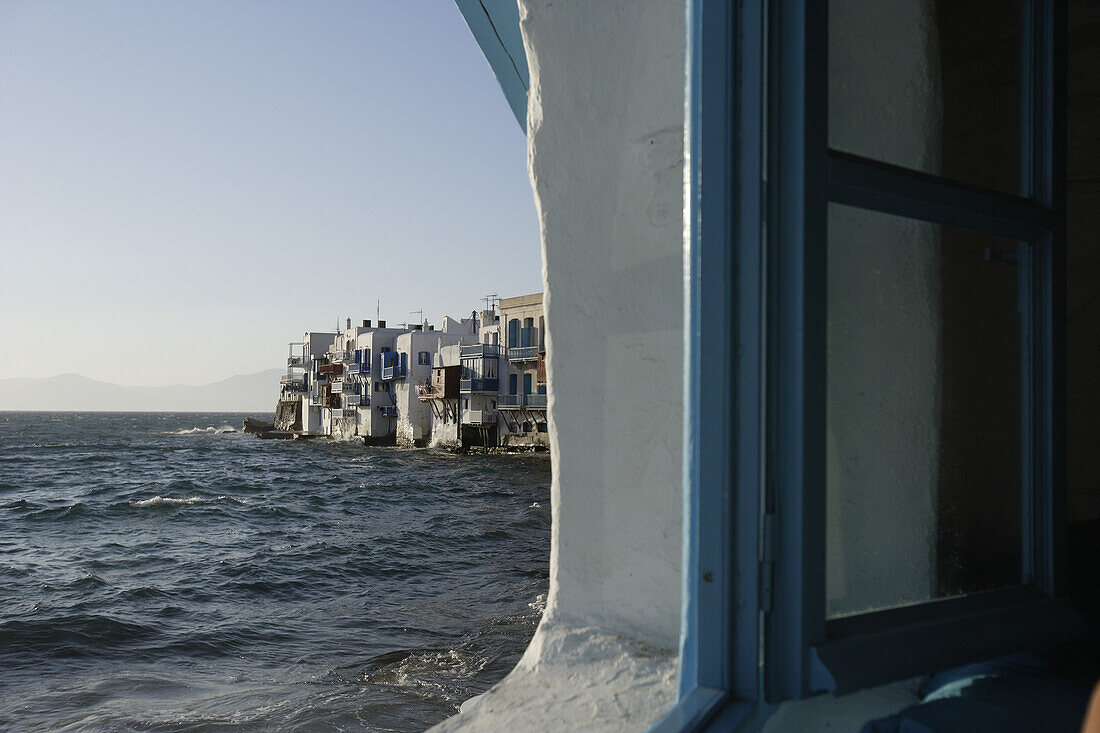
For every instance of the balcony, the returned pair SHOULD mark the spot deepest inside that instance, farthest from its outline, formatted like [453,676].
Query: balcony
[390,411]
[427,392]
[296,380]
[295,361]
[523,353]
[333,370]
[479,417]
[536,401]
[345,387]
[331,402]
[336,412]
[510,401]
[354,400]
[394,371]
[479,385]
[487,351]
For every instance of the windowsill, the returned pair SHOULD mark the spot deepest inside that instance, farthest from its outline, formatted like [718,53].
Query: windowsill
[575,679]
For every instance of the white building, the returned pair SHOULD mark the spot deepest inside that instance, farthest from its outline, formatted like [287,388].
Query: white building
[315,345]
[376,415]
[416,353]
[442,396]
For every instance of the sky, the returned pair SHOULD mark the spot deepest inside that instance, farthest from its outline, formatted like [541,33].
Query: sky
[185,187]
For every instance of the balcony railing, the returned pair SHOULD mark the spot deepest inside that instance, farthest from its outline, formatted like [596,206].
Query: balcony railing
[296,379]
[332,401]
[394,371]
[428,392]
[479,417]
[390,411]
[345,387]
[295,361]
[330,370]
[354,400]
[479,385]
[523,353]
[336,412]
[510,401]
[536,401]
[480,350]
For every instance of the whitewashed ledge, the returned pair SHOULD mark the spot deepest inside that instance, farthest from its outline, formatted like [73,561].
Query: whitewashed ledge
[573,679]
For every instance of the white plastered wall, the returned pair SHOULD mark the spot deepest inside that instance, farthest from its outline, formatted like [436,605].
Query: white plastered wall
[605,154]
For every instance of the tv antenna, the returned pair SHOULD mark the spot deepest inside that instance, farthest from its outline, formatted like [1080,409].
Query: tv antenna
[491,302]
[420,313]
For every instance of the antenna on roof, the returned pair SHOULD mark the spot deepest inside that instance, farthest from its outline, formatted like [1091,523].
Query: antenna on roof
[378,310]
[420,312]
[491,301]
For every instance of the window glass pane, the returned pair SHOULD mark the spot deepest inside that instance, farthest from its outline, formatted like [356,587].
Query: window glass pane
[932,85]
[923,433]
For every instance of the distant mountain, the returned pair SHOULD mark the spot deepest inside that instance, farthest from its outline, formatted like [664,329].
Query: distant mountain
[76,393]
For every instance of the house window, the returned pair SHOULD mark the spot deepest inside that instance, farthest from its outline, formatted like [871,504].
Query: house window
[877,475]
[424,357]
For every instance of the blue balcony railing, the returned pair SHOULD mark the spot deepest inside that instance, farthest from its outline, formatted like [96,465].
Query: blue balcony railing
[523,353]
[488,351]
[536,401]
[479,385]
[394,371]
[510,401]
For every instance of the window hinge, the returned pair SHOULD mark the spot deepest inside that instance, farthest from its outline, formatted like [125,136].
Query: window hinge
[767,564]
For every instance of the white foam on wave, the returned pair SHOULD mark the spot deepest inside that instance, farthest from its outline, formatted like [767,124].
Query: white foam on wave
[172,501]
[211,430]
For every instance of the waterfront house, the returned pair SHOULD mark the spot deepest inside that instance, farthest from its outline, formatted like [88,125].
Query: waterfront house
[376,414]
[442,397]
[417,352]
[479,389]
[523,395]
[314,347]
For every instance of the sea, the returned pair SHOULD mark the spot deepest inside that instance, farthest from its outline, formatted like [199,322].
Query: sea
[167,572]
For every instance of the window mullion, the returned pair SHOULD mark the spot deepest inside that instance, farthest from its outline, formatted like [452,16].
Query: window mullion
[868,184]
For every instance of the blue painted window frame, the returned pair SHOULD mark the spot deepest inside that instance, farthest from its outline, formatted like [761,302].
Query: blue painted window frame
[761,176]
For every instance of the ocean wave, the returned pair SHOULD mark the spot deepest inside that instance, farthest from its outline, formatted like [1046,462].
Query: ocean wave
[210,430]
[173,501]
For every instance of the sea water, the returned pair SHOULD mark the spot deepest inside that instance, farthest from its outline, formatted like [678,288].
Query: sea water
[165,572]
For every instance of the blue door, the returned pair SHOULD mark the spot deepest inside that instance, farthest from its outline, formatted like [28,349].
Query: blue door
[527,383]
[513,333]
[513,384]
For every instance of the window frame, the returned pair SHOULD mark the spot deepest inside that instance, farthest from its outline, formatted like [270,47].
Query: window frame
[760,179]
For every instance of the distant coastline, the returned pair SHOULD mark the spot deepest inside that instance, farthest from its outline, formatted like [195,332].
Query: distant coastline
[243,393]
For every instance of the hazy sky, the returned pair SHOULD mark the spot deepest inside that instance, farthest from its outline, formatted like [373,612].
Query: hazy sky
[187,186]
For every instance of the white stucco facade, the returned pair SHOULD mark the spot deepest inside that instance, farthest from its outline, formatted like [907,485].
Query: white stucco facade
[606,167]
